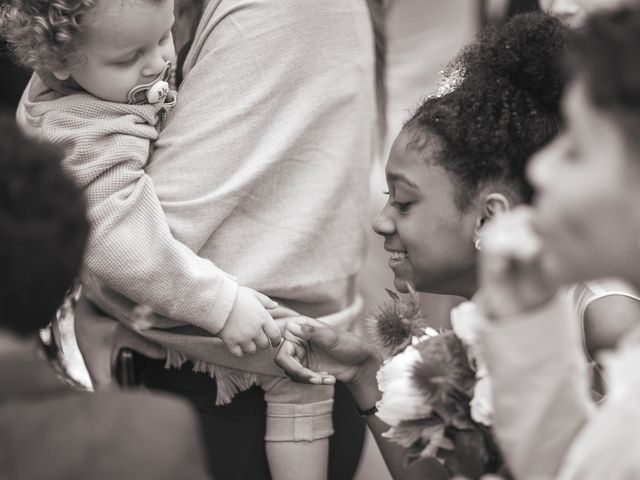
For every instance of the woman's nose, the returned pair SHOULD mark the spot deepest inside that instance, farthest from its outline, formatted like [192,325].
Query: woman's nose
[383,224]
[568,11]
[539,166]
[563,7]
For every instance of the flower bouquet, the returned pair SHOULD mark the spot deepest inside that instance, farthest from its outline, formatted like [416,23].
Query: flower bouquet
[435,388]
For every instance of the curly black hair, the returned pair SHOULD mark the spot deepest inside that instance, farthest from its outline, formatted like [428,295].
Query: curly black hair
[605,54]
[43,230]
[503,108]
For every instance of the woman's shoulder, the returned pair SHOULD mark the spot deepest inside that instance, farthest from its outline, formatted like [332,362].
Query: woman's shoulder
[584,294]
[607,309]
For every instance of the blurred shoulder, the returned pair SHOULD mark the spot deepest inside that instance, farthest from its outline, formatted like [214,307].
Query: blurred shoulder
[609,318]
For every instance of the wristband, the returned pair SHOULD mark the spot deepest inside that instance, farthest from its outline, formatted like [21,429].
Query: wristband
[367,413]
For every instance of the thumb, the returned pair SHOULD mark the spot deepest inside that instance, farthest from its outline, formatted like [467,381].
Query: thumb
[327,338]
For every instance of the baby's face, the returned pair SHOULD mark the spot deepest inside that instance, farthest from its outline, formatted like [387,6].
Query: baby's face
[125,44]
[574,12]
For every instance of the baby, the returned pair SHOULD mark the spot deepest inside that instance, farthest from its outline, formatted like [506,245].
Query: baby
[101,91]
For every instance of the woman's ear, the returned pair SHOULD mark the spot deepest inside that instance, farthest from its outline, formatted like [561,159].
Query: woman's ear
[493,204]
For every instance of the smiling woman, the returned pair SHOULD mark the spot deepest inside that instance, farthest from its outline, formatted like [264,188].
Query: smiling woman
[426,233]
[460,159]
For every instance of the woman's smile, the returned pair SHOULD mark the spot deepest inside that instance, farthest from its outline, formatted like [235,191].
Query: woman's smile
[399,262]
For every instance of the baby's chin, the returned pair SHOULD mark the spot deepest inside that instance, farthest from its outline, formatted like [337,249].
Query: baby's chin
[115,96]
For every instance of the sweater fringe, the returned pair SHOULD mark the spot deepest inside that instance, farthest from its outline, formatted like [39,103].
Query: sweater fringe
[229,381]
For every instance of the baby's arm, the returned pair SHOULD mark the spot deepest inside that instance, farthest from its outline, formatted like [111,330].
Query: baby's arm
[131,249]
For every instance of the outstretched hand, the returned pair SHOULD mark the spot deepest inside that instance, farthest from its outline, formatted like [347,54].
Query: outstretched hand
[314,352]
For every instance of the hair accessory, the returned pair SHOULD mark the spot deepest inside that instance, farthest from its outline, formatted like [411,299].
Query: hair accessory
[450,79]
[152,92]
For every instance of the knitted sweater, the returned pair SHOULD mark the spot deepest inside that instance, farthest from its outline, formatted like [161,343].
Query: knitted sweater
[130,249]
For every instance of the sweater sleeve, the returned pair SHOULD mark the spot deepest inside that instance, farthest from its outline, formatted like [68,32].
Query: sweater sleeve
[540,388]
[131,249]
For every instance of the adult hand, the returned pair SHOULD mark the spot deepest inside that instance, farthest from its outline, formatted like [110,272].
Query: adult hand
[314,352]
[513,278]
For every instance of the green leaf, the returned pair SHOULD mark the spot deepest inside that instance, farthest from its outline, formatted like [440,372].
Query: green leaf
[392,294]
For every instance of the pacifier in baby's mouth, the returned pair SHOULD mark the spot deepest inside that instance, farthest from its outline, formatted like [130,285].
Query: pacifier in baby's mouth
[152,92]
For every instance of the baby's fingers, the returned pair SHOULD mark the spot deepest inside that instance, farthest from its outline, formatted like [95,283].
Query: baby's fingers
[249,347]
[272,331]
[264,300]
[282,312]
[235,350]
[262,341]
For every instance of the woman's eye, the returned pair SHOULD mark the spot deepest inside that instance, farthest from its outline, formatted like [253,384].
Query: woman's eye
[402,207]
[385,192]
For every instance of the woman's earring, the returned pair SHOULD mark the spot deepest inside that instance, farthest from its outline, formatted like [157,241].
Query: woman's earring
[478,243]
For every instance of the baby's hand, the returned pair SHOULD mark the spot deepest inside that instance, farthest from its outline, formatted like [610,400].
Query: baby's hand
[250,325]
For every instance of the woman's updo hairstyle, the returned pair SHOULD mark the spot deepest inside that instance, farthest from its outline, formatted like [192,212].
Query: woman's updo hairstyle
[499,104]
[606,54]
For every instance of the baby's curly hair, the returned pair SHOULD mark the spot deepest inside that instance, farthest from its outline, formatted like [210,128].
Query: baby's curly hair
[605,53]
[42,34]
[503,108]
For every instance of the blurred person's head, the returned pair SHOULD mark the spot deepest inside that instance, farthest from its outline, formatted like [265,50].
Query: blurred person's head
[460,159]
[575,12]
[587,180]
[43,229]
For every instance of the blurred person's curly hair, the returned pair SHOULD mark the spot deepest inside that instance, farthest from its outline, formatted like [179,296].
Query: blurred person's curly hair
[43,230]
[502,105]
[43,34]
[606,53]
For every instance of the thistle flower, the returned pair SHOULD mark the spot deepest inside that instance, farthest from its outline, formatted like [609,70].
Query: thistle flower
[396,322]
